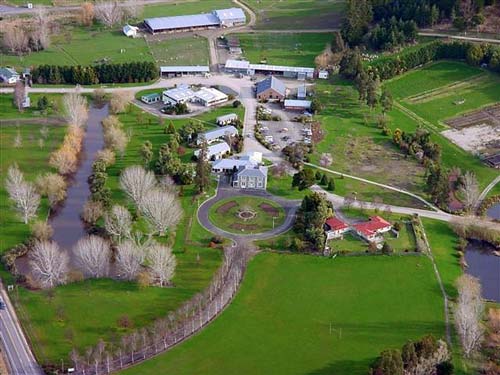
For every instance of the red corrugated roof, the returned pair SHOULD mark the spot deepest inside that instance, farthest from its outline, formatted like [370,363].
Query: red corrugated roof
[336,224]
[369,228]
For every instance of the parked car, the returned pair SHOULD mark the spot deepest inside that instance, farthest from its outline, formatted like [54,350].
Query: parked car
[2,304]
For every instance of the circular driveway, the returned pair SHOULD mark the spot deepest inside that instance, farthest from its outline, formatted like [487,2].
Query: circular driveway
[224,191]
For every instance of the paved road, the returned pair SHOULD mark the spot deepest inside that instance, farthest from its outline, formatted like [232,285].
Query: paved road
[16,348]
[223,192]
[389,187]
[338,201]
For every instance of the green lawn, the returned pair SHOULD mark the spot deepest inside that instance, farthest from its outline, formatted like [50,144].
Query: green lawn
[282,186]
[430,77]
[226,215]
[32,160]
[298,14]
[182,7]
[9,111]
[85,46]
[284,49]
[280,321]
[181,51]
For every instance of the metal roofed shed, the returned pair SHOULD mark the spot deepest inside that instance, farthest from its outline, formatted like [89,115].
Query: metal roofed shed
[299,105]
[177,95]
[209,96]
[151,98]
[244,67]
[215,134]
[172,71]
[230,17]
[226,119]
[215,152]
[175,23]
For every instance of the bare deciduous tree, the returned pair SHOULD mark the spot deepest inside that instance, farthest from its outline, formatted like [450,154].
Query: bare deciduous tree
[116,139]
[161,209]
[15,38]
[93,255]
[18,141]
[120,100]
[64,160]
[41,34]
[468,314]
[129,258]
[42,230]
[326,160]
[49,265]
[22,193]
[87,13]
[107,156]
[162,264]
[469,190]
[118,222]
[92,211]
[108,12]
[19,95]
[136,182]
[133,8]
[76,109]
[53,186]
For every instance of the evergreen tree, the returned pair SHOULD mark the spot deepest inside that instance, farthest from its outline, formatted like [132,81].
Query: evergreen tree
[202,177]
[146,152]
[386,100]
[324,180]
[331,185]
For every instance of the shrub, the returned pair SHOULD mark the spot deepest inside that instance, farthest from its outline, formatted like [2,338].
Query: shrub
[236,104]
[42,230]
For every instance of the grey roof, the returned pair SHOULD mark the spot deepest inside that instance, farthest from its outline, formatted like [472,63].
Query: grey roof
[245,65]
[8,73]
[152,95]
[219,148]
[185,69]
[271,83]
[228,164]
[230,14]
[297,103]
[179,94]
[228,117]
[253,172]
[181,22]
[218,133]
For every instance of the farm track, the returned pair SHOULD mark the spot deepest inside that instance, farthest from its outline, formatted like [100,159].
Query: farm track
[416,117]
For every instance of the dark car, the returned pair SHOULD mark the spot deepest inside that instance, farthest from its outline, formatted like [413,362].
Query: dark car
[2,305]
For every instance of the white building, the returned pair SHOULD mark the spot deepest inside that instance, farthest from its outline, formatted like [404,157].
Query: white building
[130,31]
[230,17]
[323,74]
[245,67]
[301,92]
[297,105]
[215,152]
[209,96]
[177,95]
[216,134]
[151,98]
[230,118]
[184,70]
[250,177]
[9,75]
[335,228]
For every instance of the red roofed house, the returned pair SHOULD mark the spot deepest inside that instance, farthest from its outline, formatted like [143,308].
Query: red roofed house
[335,228]
[371,229]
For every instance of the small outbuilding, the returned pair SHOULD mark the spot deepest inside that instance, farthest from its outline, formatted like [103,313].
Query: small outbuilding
[335,228]
[270,88]
[297,105]
[215,152]
[151,98]
[130,31]
[230,118]
[217,134]
[323,74]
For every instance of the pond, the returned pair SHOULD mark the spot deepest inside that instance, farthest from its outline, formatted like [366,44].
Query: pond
[494,211]
[66,222]
[485,265]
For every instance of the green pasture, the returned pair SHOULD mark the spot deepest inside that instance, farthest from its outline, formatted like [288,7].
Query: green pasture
[299,314]
[180,51]
[182,7]
[284,49]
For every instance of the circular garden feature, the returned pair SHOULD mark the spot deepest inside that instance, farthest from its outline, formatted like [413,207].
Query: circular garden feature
[246,215]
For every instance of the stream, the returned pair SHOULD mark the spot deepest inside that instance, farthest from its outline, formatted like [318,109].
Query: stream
[66,222]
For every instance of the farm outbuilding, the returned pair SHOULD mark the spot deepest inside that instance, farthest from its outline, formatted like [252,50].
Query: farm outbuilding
[216,134]
[9,75]
[186,70]
[230,118]
[130,31]
[215,152]
[270,88]
[244,67]
[297,105]
[218,18]
[493,161]
[151,98]
[209,96]
[177,95]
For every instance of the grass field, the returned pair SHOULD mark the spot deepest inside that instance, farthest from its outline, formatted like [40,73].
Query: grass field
[9,111]
[181,51]
[298,14]
[290,310]
[284,49]
[181,7]
[226,215]
[434,110]
[32,160]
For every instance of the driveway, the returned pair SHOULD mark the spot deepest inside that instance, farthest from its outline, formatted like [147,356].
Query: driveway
[224,191]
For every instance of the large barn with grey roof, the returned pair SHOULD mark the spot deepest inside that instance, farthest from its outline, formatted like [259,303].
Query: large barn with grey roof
[218,18]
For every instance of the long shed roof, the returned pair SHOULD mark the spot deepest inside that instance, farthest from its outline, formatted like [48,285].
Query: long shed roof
[182,22]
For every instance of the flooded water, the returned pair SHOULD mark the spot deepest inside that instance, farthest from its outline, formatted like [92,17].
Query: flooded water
[484,265]
[494,211]
[66,222]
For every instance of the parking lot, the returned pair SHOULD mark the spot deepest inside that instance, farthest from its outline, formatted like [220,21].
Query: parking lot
[285,131]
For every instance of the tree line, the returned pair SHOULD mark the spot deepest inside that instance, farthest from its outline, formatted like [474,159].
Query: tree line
[132,72]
